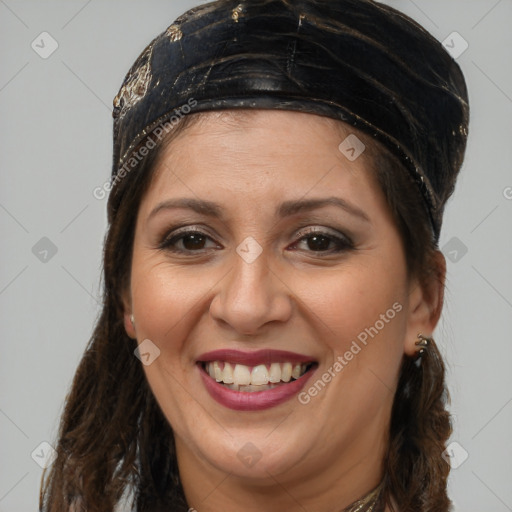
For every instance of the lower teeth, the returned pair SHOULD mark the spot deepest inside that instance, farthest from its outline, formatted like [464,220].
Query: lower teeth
[250,387]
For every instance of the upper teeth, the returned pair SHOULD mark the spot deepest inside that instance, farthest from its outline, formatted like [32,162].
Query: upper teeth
[241,375]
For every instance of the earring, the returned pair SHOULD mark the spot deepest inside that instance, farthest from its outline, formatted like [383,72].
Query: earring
[423,344]
[132,320]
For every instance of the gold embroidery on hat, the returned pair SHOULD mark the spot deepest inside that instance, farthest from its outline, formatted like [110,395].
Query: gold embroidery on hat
[174,33]
[237,12]
[135,85]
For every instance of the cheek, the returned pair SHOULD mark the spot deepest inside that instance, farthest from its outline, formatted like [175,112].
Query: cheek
[352,299]
[361,314]
[166,304]
[165,299]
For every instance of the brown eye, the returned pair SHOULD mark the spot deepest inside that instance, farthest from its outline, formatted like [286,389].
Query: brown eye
[318,242]
[193,241]
[187,241]
[323,242]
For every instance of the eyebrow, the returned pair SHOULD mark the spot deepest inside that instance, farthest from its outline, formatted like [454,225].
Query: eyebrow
[285,209]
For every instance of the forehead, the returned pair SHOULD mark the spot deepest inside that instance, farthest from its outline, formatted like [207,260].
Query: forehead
[263,156]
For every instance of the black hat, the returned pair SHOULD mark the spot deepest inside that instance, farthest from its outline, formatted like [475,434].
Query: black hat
[358,61]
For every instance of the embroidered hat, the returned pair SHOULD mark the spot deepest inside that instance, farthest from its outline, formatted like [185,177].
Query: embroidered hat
[357,61]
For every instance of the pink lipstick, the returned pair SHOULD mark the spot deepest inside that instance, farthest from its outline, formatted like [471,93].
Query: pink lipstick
[255,380]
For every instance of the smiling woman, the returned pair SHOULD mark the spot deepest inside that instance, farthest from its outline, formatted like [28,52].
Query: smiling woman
[272,275]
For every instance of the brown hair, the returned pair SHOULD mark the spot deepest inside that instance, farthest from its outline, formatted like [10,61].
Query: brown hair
[415,472]
[113,437]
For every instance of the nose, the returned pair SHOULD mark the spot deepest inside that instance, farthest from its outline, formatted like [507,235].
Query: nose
[251,296]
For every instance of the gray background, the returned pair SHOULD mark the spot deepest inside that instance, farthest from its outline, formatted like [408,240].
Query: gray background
[55,116]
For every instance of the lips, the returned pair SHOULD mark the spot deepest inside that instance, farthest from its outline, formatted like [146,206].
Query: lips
[254,358]
[254,380]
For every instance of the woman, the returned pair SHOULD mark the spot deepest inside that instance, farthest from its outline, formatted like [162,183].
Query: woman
[272,272]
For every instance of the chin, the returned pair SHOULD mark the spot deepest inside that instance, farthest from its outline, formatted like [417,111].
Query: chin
[247,452]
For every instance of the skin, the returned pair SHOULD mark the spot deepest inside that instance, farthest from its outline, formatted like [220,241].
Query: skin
[327,453]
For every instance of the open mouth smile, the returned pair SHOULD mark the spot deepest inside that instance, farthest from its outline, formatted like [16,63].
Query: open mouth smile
[254,380]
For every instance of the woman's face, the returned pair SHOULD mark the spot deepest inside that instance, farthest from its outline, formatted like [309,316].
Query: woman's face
[262,248]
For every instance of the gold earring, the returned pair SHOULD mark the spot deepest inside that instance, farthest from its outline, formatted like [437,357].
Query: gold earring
[423,344]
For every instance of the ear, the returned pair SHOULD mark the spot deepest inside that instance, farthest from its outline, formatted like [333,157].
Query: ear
[426,297]
[129,327]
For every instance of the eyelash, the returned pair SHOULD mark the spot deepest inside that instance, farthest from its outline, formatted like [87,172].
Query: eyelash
[343,243]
